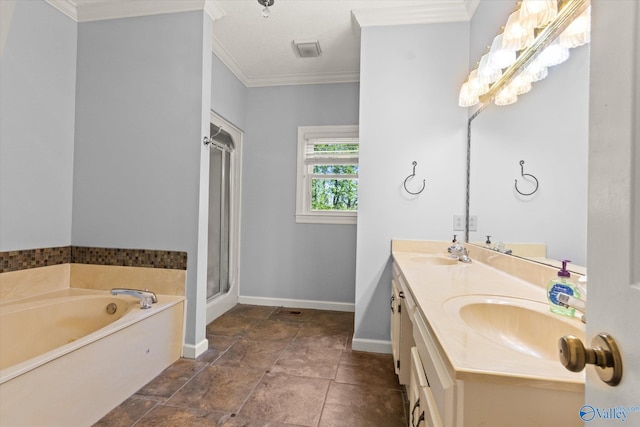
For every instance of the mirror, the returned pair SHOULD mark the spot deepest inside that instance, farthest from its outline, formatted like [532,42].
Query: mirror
[547,129]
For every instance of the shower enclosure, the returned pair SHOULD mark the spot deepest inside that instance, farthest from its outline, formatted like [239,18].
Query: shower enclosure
[223,221]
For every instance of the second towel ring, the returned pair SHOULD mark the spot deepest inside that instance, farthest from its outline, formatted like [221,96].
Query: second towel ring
[523,175]
[424,181]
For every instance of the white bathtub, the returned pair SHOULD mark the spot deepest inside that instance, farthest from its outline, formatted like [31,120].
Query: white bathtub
[65,361]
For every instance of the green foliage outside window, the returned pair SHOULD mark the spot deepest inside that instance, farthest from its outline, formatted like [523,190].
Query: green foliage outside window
[335,187]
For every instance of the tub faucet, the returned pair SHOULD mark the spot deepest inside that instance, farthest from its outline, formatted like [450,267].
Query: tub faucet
[146,297]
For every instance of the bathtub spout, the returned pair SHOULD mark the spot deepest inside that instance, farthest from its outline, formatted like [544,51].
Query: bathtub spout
[146,297]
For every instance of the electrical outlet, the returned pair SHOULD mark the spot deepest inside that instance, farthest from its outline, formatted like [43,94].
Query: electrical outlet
[473,223]
[458,223]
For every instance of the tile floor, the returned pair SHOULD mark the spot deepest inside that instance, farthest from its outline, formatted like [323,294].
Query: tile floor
[270,366]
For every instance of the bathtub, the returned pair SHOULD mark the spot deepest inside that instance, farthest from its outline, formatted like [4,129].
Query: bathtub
[64,360]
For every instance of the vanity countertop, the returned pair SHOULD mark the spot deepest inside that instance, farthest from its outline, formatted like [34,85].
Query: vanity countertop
[435,289]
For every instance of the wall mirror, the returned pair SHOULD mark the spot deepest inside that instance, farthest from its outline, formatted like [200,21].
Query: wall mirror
[547,130]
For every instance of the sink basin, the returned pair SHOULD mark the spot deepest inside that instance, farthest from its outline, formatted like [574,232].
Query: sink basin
[434,260]
[518,324]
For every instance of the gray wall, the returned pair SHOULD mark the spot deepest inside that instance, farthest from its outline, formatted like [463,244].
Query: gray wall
[37,110]
[229,96]
[142,108]
[282,259]
[409,82]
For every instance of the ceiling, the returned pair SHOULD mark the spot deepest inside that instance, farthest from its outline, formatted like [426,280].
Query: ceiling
[259,51]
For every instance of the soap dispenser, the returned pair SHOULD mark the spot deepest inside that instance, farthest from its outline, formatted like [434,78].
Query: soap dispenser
[562,284]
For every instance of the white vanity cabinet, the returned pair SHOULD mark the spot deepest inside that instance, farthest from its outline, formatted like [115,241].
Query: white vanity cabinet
[458,378]
[402,308]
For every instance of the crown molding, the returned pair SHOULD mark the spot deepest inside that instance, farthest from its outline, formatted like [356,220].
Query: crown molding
[304,79]
[65,6]
[279,80]
[435,12]
[113,9]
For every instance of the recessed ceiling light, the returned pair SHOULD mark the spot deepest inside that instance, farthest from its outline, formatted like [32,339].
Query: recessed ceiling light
[307,48]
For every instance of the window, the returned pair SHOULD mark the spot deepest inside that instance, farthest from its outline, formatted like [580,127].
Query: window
[327,186]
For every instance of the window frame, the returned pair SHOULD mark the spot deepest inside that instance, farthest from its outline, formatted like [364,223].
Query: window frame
[304,214]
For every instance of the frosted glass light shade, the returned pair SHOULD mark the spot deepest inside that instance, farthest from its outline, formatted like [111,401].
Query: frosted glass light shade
[553,54]
[578,32]
[467,98]
[476,86]
[535,71]
[516,36]
[521,84]
[487,73]
[500,57]
[507,96]
[537,13]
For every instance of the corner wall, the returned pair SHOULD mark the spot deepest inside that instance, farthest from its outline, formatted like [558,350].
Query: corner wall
[142,109]
[409,82]
[37,110]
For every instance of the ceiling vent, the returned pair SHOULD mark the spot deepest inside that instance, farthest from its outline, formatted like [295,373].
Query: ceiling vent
[307,48]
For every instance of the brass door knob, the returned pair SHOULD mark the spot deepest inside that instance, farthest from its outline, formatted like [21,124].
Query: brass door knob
[605,355]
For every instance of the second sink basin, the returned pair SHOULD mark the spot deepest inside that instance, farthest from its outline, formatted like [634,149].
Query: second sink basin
[521,325]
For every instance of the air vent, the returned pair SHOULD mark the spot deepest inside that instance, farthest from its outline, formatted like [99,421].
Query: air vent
[307,48]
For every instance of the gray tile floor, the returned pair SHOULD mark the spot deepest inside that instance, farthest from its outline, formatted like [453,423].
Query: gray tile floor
[270,366]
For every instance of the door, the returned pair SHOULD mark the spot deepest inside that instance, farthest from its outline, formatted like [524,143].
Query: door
[613,303]
[223,216]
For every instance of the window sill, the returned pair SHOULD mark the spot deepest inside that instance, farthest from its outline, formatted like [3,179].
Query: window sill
[327,218]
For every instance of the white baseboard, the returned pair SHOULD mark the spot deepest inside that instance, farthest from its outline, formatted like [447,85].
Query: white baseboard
[192,351]
[372,346]
[297,303]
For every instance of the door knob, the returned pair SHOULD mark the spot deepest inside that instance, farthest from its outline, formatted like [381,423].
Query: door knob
[605,355]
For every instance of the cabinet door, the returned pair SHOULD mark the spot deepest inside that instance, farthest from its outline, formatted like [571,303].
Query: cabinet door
[417,380]
[422,405]
[441,383]
[395,325]
[429,416]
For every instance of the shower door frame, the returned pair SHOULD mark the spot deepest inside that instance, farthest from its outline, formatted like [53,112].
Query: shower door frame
[223,302]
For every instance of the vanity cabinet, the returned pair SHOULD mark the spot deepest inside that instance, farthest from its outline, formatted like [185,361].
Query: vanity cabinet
[456,378]
[402,308]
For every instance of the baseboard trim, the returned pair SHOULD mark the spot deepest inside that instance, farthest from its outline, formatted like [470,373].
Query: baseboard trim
[193,351]
[372,346]
[297,303]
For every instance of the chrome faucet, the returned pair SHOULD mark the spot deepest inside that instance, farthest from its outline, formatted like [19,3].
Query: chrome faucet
[146,297]
[460,252]
[575,303]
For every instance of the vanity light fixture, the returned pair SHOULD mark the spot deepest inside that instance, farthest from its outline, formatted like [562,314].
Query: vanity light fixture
[516,58]
[266,12]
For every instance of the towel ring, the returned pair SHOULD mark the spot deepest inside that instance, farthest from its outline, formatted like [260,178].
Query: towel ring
[523,175]
[424,182]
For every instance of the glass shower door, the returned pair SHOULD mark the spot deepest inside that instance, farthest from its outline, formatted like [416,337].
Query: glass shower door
[219,212]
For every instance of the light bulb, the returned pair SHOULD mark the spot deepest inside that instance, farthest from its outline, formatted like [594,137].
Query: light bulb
[266,12]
